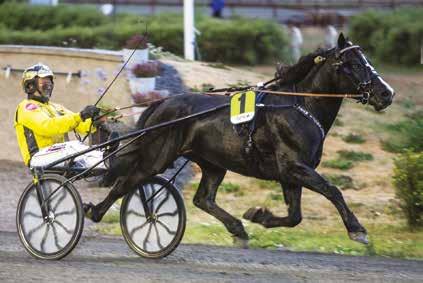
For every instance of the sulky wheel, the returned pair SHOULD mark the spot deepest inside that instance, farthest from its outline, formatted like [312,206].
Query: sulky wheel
[153,229]
[54,236]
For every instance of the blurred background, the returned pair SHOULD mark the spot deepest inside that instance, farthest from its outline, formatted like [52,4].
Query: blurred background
[375,158]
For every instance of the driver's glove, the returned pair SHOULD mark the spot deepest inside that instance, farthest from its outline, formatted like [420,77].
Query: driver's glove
[89,111]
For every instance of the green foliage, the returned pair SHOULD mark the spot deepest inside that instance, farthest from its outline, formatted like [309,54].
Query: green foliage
[229,188]
[386,240]
[341,181]
[408,103]
[407,134]
[269,185]
[27,17]
[111,217]
[276,197]
[203,88]
[106,110]
[338,164]
[346,159]
[243,41]
[354,155]
[354,138]
[338,122]
[240,83]
[392,37]
[408,181]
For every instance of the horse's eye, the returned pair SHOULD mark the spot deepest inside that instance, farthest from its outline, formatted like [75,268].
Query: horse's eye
[356,66]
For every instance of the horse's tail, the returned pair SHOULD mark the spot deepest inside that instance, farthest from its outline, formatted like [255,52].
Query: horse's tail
[146,114]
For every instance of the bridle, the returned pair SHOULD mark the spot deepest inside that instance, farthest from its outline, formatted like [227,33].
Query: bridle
[363,86]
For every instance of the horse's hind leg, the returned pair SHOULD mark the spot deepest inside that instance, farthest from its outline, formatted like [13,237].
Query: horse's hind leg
[135,165]
[263,216]
[308,177]
[121,187]
[205,198]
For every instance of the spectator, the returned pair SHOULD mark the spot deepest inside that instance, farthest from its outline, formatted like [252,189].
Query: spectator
[217,7]
[296,41]
[331,36]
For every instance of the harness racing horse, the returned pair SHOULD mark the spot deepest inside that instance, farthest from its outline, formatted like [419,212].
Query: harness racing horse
[285,146]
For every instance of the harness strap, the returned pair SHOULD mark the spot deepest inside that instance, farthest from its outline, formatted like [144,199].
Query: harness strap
[348,48]
[300,109]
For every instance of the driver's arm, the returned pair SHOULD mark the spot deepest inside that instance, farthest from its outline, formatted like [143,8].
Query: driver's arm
[83,127]
[42,124]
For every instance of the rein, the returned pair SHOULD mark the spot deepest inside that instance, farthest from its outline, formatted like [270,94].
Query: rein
[283,93]
[230,91]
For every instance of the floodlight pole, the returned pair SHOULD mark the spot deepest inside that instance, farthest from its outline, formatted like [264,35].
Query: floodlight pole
[189,36]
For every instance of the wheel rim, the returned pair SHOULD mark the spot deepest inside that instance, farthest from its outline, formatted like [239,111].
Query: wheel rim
[152,235]
[52,235]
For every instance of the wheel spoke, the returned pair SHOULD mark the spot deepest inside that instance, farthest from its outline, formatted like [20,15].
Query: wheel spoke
[32,231]
[164,214]
[56,239]
[59,201]
[166,228]
[70,212]
[29,213]
[137,228]
[43,241]
[162,202]
[63,226]
[158,237]
[133,212]
[144,244]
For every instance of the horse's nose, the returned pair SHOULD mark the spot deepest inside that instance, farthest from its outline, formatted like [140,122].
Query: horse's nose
[387,94]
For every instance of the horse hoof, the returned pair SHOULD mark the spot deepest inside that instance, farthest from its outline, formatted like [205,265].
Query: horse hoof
[240,242]
[360,237]
[250,213]
[88,210]
[257,214]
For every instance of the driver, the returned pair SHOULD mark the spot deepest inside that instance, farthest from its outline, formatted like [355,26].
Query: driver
[42,126]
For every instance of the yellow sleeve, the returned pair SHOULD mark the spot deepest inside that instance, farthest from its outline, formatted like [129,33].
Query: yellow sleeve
[83,127]
[42,124]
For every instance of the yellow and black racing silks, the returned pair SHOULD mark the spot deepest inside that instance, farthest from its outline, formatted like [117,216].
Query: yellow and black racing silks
[39,125]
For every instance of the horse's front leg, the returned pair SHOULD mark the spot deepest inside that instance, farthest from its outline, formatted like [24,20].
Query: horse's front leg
[306,176]
[205,199]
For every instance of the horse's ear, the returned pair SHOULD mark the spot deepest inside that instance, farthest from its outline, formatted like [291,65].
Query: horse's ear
[341,41]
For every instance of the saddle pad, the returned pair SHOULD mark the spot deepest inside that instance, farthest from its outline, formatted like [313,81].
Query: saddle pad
[243,107]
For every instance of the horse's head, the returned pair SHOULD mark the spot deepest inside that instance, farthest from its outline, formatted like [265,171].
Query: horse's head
[355,74]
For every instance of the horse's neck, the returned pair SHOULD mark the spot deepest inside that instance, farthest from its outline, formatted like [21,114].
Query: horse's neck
[323,109]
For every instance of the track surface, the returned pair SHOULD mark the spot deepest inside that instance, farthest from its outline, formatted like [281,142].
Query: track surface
[109,259]
[98,259]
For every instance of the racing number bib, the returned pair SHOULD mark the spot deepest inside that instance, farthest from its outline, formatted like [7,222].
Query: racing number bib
[243,107]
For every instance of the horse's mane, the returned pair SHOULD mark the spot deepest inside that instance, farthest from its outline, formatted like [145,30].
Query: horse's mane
[290,74]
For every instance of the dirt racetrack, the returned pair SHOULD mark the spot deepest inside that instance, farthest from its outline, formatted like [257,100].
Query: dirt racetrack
[102,259]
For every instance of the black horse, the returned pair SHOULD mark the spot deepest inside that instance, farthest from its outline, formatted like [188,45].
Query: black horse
[285,145]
